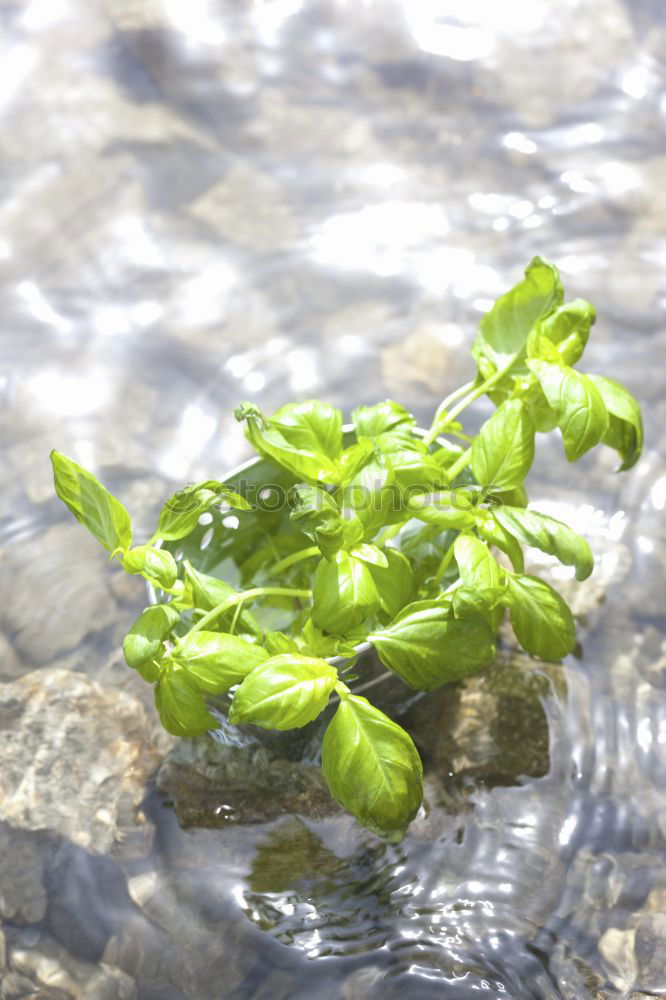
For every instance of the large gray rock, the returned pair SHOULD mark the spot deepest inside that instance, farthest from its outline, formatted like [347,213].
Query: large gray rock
[651,952]
[75,758]
[10,665]
[22,881]
[54,590]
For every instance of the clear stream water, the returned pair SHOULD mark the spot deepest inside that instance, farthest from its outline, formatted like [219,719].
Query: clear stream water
[214,201]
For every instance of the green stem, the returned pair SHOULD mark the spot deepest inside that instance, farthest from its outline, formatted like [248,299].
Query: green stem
[460,463]
[479,391]
[442,410]
[387,534]
[248,595]
[295,557]
[234,620]
[464,403]
[444,564]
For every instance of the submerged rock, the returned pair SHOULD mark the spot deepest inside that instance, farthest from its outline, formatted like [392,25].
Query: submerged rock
[651,952]
[75,758]
[490,730]
[212,784]
[22,890]
[65,568]
[617,949]
[37,966]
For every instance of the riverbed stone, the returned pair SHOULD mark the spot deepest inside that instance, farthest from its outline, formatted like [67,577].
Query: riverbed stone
[67,569]
[10,664]
[75,758]
[586,41]
[651,952]
[40,967]
[211,784]
[22,890]
[490,730]
[617,949]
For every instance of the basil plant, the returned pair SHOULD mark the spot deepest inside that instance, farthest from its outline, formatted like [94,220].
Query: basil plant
[409,540]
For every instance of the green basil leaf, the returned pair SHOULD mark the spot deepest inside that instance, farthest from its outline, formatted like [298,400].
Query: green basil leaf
[352,528]
[307,463]
[313,642]
[181,512]
[568,328]
[425,545]
[316,514]
[540,618]
[577,403]
[181,596]
[370,554]
[484,602]
[427,647]
[503,451]
[517,497]
[214,661]
[541,347]
[395,583]
[476,564]
[154,564]
[371,495]
[625,426]
[446,517]
[311,426]
[91,504]
[353,459]
[410,461]
[445,455]
[209,591]
[497,535]
[549,535]
[144,641]
[372,768]
[539,409]
[277,643]
[503,331]
[371,421]
[440,603]
[344,594]
[480,572]
[285,692]
[181,706]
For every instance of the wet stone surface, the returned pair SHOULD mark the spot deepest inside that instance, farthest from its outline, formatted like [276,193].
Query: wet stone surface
[75,758]
[212,785]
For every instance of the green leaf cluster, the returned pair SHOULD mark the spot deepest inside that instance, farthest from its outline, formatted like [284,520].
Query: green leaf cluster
[409,540]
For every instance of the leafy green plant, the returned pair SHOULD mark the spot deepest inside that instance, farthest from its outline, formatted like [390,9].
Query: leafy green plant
[381,533]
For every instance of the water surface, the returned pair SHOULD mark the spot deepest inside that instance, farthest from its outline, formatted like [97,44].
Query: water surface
[217,201]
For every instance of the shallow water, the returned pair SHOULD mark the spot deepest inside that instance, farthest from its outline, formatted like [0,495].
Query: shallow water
[210,202]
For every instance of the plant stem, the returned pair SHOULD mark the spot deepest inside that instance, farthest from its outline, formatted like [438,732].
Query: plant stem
[295,557]
[442,408]
[233,599]
[234,620]
[459,465]
[444,564]
[464,403]
[390,532]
